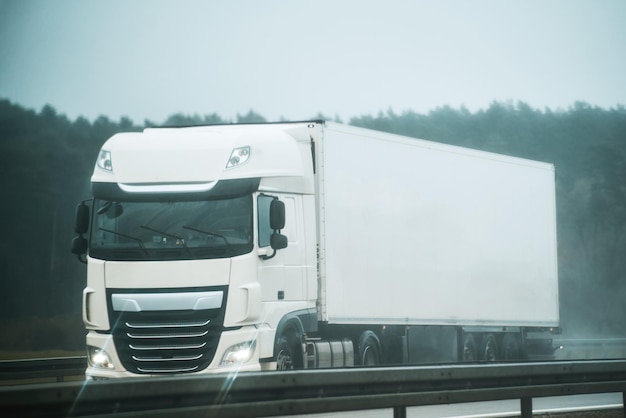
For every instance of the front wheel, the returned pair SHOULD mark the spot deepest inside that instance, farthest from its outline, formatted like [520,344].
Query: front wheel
[286,354]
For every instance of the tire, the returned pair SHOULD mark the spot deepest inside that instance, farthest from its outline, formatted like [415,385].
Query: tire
[510,347]
[468,351]
[369,349]
[287,354]
[489,348]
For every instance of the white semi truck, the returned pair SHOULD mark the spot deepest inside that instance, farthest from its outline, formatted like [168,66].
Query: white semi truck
[312,244]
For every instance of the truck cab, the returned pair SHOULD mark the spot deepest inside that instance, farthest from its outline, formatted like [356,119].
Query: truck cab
[197,249]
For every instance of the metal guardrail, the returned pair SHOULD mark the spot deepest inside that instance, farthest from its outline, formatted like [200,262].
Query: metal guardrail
[315,391]
[590,348]
[57,367]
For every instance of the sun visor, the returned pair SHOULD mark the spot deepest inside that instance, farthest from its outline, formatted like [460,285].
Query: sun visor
[222,189]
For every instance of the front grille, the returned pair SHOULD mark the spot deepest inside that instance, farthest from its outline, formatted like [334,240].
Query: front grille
[160,342]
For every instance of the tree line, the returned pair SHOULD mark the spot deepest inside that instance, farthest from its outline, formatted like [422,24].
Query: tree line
[46,161]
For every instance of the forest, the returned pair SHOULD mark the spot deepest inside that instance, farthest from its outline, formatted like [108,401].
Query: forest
[46,161]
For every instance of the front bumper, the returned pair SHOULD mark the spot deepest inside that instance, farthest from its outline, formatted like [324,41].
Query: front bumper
[228,339]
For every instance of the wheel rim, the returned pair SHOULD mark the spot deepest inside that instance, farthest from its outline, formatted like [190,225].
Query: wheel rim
[490,349]
[284,361]
[369,356]
[469,350]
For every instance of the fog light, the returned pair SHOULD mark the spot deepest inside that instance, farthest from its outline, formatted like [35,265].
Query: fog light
[99,358]
[238,353]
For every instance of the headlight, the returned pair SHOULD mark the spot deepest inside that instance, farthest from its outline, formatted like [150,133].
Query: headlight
[238,353]
[99,358]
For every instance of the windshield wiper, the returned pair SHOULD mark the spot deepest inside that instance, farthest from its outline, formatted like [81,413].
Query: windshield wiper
[137,240]
[105,207]
[214,234]
[167,234]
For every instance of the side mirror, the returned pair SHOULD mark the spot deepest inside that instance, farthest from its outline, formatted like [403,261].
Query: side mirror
[82,219]
[278,241]
[79,246]
[81,226]
[277,214]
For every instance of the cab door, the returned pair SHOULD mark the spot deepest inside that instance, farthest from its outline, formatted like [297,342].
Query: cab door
[282,274]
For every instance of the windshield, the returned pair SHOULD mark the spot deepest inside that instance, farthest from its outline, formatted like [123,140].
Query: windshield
[179,230]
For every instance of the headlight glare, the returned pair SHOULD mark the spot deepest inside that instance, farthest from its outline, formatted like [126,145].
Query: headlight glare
[99,358]
[238,353]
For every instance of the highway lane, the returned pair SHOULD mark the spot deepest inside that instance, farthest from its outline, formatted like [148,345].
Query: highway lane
[493,409]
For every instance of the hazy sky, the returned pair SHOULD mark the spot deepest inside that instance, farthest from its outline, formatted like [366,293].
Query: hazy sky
[148,59]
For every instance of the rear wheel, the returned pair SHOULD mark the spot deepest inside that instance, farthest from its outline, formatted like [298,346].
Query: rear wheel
[489,348]
[469,352]
[510,347]
[369,349]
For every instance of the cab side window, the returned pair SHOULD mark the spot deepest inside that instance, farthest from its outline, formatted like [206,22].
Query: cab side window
[263,207]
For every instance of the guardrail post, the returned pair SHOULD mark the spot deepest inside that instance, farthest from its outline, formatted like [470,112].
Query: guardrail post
[399,412]
[526,405]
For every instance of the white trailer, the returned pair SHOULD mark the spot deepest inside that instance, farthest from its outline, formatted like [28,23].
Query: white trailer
[312,244]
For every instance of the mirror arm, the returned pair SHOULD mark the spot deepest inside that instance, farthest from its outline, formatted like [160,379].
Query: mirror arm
[267,257]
